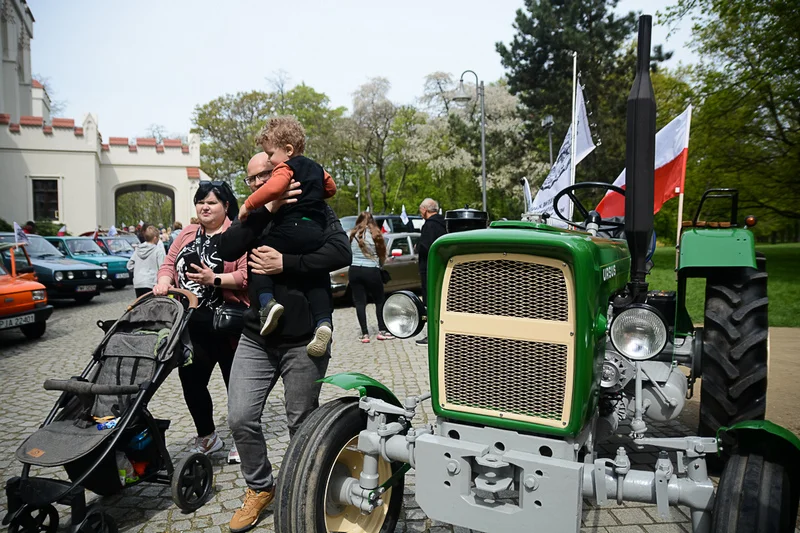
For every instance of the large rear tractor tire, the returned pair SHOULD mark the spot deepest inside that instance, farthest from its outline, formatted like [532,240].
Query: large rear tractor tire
[734,363]
[324,447]
[754,494]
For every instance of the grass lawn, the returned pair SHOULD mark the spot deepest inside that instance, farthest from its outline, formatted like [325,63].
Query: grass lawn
[783,289]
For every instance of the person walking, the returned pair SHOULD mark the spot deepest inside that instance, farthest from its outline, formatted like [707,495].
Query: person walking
[261,360]
[214,282]
[369,254]
[433,228]
[146,261]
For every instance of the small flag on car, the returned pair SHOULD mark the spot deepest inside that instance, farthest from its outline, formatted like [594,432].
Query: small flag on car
[112,231]
[62,230]
[404,215]
[19,235]
[385,227]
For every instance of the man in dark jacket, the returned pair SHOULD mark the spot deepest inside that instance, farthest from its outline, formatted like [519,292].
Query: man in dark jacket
[260,361]
[433,228]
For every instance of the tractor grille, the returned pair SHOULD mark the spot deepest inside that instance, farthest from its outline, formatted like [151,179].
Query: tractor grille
[508,288]
[506,338]
[509,376]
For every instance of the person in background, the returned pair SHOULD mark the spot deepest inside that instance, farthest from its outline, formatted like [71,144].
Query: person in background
[213,282]
[145,262]
[194,220]
[369,253]
[29,227]
[176,230]
[433,228]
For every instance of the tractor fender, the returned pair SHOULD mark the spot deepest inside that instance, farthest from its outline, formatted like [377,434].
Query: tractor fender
[365,385]
[711,248]
[764,438]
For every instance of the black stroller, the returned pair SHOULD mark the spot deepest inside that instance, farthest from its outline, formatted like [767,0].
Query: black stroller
[100,430]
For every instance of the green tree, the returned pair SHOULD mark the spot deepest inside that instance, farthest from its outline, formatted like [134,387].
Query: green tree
[539,64]
[151,207]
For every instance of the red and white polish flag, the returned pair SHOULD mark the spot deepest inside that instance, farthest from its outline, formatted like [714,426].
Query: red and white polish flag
[385,227]
[672,151]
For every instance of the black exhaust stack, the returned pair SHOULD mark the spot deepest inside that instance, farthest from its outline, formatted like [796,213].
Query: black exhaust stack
[640,153]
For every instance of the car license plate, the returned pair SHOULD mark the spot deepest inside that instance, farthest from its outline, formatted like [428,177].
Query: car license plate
[86,288]
[16,321]
[124,275]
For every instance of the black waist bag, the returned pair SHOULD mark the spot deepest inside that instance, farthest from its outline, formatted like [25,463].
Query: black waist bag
[229,318]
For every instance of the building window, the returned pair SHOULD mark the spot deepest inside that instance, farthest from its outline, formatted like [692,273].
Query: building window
[45,199]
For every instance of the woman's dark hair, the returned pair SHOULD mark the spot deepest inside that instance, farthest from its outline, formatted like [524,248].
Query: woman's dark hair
[365,222]
[223,192]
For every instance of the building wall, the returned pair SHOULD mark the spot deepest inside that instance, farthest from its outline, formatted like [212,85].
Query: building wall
[16,32]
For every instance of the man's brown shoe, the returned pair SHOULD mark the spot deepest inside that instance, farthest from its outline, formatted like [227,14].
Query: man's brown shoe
[254,504]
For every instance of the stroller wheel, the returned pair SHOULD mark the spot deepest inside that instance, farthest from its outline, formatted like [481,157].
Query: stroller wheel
[192,482]
[97,522]
[34,520]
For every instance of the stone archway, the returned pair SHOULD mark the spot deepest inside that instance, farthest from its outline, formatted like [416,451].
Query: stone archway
[147,204]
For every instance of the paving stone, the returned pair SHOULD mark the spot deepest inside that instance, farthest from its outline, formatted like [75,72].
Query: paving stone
[597,517]
[664,528]
[631,516]
[624,529]
[675,515]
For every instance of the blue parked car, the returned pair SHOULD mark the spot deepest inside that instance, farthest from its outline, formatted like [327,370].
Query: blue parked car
[120,246]
[85,249]
[63,277]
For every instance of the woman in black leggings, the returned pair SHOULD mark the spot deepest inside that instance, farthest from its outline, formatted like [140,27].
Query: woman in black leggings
[369,252]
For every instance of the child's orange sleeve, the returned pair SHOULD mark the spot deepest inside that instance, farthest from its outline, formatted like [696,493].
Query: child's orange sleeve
[330,186]
[272,189]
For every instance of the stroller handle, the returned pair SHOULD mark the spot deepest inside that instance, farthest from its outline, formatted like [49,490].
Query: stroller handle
[193,303]
[85,387]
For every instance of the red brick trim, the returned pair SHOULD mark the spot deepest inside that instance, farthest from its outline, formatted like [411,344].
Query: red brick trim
[31,121]
[193,172]
[48,130]
[160,148]
[63,123]
[145,141]
[172,143]
[13,128]
[5,119]
[184,149]
[132,148]
[118,141]
[79,132]
[36,84]
[105,147]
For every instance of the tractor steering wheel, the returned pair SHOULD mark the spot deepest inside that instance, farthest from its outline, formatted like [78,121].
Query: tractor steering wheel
[605,225]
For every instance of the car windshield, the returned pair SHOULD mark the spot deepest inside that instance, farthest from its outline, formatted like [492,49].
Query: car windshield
[118,245]
[348,223]
[38,248]
[83,247]
[3,271]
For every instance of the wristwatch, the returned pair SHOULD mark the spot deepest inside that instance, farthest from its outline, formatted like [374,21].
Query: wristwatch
[217,281]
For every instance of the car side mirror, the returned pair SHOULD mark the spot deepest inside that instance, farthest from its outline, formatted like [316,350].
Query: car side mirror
[25,270]
[397,252]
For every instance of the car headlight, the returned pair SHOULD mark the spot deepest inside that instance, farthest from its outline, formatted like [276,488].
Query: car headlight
[403,314]
[70,275]
[37,295]
[103,274]
[639,333]
[58,276]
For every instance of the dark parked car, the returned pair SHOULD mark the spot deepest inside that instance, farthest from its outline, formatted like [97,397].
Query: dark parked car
[64,278]
[395,223]
[87,250]
[402,264]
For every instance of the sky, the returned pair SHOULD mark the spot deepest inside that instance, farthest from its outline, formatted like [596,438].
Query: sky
[134,64]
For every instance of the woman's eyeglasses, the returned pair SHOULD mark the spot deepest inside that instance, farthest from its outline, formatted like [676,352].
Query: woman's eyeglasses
[264,175]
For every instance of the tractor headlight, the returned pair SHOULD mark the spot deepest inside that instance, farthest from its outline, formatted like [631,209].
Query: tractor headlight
[638,333]
[403,314]
[70,275]
[58,276]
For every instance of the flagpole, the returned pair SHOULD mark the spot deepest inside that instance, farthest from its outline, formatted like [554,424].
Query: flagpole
[574,129]
[678,236]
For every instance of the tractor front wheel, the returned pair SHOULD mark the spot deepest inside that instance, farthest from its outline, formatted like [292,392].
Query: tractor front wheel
[754,494]
[323,449]
[734,363]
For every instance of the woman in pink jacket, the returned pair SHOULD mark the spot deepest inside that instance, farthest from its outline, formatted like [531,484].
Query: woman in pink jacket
[213,282]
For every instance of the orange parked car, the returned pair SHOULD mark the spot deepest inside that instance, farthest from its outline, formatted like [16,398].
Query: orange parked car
[23,300]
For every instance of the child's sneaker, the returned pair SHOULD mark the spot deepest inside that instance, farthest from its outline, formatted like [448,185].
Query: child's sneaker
[384,336]
[319,344]
[364,338]
[269,315]
[233,455]
[208,444]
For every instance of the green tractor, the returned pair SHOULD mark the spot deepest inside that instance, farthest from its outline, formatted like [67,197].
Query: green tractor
[541,341]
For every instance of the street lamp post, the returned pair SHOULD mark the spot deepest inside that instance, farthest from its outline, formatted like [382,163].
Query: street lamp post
[547,122]
[358,192]
[462,96]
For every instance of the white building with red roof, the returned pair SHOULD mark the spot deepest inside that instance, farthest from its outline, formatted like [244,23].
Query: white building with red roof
[61,169]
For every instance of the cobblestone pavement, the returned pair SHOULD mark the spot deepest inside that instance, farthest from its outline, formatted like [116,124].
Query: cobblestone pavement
[66,348]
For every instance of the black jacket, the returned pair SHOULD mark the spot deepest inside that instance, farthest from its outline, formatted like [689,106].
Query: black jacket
[433,228]
[296,327]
